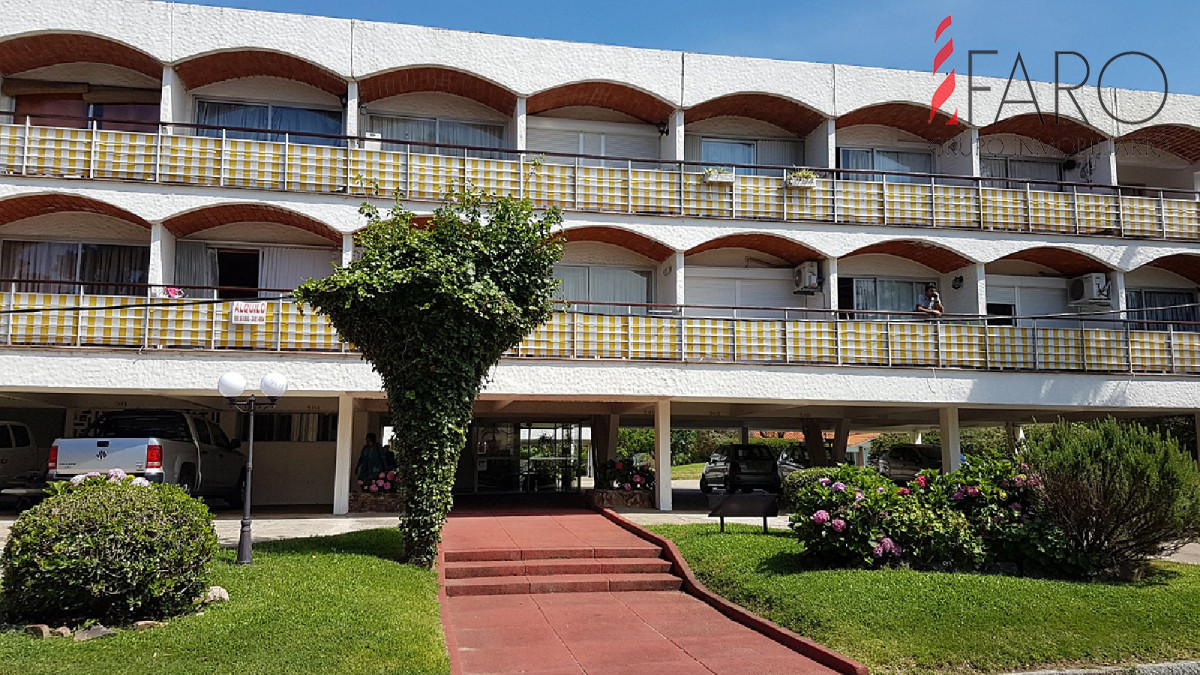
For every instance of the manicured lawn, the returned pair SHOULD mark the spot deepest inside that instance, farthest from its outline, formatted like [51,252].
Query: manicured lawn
[904,621]
[687,471]
[322,605]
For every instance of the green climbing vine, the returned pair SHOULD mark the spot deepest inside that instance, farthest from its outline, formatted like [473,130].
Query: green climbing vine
[433,308]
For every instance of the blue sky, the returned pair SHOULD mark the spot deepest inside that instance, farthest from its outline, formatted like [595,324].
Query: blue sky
[891,34]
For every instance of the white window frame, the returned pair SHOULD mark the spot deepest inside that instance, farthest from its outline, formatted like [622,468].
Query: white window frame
[271,105]
[874,161]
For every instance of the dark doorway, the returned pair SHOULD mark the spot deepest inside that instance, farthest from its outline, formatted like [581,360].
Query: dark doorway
[237,273]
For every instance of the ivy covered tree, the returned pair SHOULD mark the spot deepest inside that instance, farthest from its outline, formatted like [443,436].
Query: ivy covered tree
[433,308]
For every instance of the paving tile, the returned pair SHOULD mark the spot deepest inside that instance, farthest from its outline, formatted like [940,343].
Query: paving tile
[652,655]
[518,660]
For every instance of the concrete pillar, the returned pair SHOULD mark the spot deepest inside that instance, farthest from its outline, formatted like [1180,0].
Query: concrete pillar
[745,435]
[841,436]
[959,156]
[605,433]
[1116,293]
[669,280]
[971,296]
[820,146]
[162,258]
[830,287]
[344,456]
[671,148]
[914,437]
[662,454]
[1014,435]
[814,442]
[347,249]
[951,443]
[352,108]
[519,125]
[1096,165]
[174,106]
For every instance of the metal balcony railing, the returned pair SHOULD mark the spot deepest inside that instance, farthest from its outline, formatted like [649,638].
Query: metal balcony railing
[230,157]
[85,317]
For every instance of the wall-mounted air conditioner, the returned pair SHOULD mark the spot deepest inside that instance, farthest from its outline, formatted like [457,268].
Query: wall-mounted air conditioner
[806,278]
[372,141]
[1088,290]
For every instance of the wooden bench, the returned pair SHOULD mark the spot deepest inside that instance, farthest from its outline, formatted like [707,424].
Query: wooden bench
[743,506]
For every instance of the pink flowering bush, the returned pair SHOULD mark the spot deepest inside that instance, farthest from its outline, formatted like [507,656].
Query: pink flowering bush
[622,474]
[386,482]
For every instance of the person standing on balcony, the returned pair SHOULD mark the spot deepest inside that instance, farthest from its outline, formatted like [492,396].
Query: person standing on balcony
[931,303]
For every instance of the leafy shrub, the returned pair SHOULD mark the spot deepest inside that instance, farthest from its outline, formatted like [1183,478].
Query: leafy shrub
[622,474]
[932,538]
[115,550]
[839,517]
[794,481]
[1119,493]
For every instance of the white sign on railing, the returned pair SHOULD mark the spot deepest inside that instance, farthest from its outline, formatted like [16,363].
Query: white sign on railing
[249,313]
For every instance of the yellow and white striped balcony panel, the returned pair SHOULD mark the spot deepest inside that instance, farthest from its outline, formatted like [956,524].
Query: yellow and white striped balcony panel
[813,342]
[963,346]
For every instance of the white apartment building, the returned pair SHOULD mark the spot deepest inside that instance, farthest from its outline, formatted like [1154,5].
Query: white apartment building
[151,145]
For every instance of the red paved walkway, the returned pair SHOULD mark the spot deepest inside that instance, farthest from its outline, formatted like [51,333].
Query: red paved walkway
[549,631]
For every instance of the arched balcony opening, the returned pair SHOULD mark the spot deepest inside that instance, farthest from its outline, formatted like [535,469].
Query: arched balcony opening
[900,137]
[258,95]
[63,79]
[751,272]
[95,247]
[1037,282]
[250,250]
[751,128]
[1044,149]
[610,265]
[892,276]
[1164,292]
[600,119]
[432,105]
[1159,159]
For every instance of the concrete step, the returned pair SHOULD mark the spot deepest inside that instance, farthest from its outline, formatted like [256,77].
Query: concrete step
[552,566]
[512,554]
[562,583]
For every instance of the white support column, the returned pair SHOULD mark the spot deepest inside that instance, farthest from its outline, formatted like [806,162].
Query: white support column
[1014,433]
[520,120]
[671,148]
[662,454]
[344,457]
[347,249]
[669,280]
[1197,438]
[820,146]
[174,104]
[914,437]
[352,108]
[971,296]
[959,156]
[829,269]
[1116,293]
[162,257]
[951,443]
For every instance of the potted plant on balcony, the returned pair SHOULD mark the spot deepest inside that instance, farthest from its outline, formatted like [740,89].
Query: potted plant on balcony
[718,175]
[804,179]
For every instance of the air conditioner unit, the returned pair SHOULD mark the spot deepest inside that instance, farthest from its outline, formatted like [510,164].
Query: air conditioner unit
[806,278]
[372,141]
[1089,289]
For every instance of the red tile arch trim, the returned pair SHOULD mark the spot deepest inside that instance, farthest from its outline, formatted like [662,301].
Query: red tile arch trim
[907,117]
[443,80]
[793,252]
[1176,139]
[38,51]
[28,206]
[214,216]
[783,113]
[1065,134]
[618,237]
[220,66]
[1065,262]
[941,259]
[1185,265]
[619,97]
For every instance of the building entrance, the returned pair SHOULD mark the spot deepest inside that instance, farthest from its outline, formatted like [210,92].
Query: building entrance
[522,457]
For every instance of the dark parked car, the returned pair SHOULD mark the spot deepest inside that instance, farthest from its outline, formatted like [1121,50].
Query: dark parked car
[791,459]
[903,462]
[740,467]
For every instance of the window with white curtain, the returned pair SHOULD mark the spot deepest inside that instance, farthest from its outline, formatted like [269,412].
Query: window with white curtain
[398,132]
[869,159]
[1000,168]
[288,267]
[890,295]
[1164,305]
[723,152]
[102,269]
[276,122]
[595,283]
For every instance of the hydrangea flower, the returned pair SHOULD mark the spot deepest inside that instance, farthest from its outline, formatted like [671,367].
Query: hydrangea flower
[838,525]
[374,488]
[858,496]
[903,492]
[628,486]
[78,480]
[880,490]
[958,495]
[972,491]
[885,547]
[922,481]
[638,479]
[116,475]
[824,481]
[140,482]
[1015,506]
[839,487]
[387,486]
[820,517]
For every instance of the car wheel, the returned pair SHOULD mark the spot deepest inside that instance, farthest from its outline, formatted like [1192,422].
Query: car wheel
[187,480]
[704,486]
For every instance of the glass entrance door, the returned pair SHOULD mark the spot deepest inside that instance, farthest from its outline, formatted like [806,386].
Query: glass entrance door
[521,457]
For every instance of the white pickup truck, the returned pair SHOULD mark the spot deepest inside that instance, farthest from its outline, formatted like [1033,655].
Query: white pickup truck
[164,446]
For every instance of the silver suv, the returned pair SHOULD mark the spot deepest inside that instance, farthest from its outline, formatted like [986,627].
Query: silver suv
[903,462]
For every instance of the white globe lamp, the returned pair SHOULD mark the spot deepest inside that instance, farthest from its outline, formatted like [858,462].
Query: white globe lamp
[231,385]
[274,385]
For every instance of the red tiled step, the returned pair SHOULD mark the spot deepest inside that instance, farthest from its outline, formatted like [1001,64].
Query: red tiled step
[549,566]
[624,551]
[562,583]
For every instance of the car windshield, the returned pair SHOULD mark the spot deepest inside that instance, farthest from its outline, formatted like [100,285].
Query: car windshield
[755,452]
[165,426]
